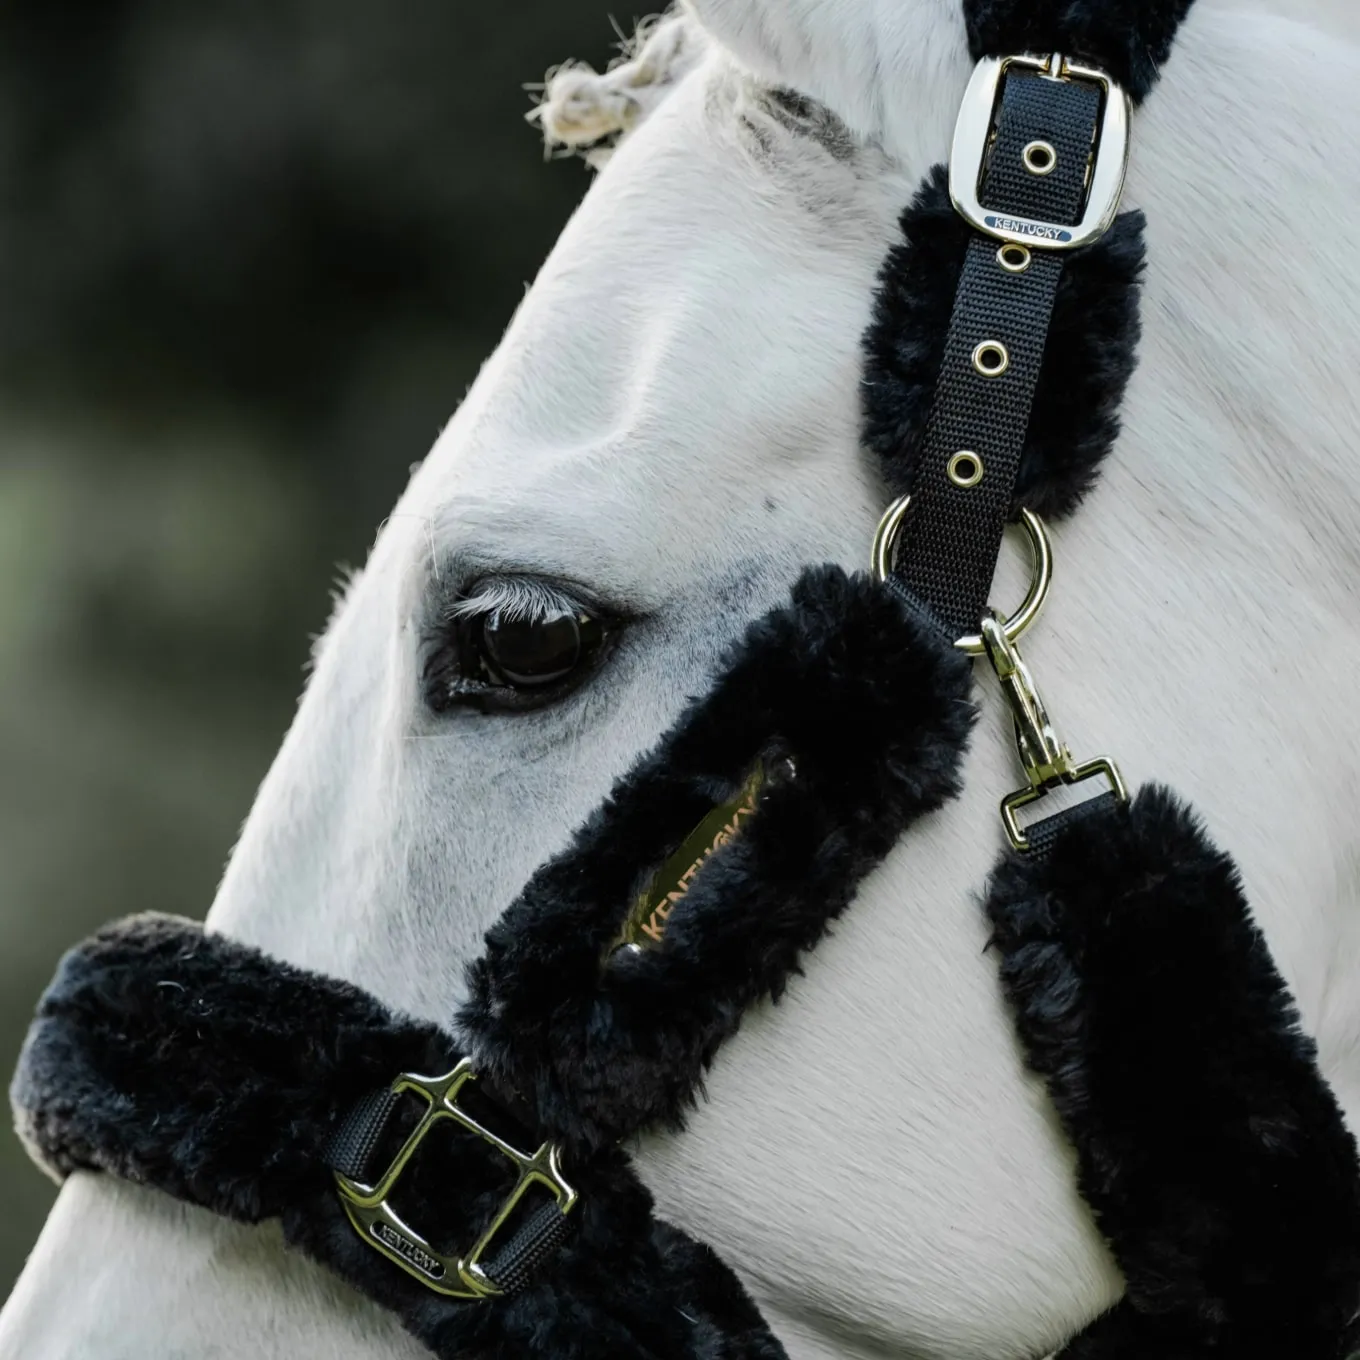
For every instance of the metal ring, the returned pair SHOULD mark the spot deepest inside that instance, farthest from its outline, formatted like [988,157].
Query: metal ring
[1014,259]
[1041,158]
[1041,578]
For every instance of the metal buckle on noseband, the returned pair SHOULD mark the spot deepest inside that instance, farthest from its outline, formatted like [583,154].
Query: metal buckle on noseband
[973,134]
[378,1224]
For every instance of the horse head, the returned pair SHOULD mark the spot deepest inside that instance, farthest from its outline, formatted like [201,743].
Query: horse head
[668,433]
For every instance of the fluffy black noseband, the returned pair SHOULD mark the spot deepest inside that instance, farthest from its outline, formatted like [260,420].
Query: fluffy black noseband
[186,1062]
[1209,1147]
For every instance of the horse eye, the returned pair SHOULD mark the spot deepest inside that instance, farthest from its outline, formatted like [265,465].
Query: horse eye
[529,653]
[505,664]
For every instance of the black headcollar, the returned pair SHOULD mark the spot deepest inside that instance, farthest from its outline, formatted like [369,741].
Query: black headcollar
[484,1196]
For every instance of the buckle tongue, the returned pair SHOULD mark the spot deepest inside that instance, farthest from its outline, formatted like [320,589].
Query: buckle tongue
[374,1219]
[973,135]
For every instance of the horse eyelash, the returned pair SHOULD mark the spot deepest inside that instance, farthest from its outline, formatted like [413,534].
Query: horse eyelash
[513,599]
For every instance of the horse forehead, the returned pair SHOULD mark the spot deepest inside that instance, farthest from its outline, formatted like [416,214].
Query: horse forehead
[697,327]
[701,242]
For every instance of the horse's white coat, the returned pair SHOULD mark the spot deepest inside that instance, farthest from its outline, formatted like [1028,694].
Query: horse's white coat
[671,422]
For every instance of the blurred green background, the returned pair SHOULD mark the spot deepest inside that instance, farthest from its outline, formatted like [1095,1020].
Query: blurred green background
[251,256]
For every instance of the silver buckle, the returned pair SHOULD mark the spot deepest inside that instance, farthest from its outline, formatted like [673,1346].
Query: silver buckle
[973,134]
[374,1219]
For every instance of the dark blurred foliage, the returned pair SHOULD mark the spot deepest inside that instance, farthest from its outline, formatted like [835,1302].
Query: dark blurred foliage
[251,255]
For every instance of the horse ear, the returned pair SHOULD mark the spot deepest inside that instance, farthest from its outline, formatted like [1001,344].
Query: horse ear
[863,59]
[583,111]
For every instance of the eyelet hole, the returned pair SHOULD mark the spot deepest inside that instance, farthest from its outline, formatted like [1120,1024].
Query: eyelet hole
[991,358]
[965,469]
[1041,158]
[1014,259]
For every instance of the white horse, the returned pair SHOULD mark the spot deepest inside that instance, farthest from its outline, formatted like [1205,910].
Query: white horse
[666,435]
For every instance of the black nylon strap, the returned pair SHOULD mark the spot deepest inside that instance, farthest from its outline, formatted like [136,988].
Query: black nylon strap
[514,1266]
[350,1149]
[1063,113]
[1043,836]
[951,534]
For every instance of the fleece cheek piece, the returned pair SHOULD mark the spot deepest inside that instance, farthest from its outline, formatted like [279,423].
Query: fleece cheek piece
[872,711]
[1210,1148]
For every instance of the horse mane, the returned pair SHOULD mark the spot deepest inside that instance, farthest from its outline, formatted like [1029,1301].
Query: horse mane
[587,113]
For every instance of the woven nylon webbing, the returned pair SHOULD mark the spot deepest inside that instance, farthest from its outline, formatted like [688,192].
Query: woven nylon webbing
[351,1147]
[1064,114]
[1043,836]
[517,1262]
[951,534]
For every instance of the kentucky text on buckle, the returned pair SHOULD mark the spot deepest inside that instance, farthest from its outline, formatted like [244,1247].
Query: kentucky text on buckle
[973,135]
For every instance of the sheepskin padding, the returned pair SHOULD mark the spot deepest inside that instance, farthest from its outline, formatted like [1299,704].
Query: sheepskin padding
[1090,355]
[187,1062]
[872,708]
[1209,1146]
[1131,39]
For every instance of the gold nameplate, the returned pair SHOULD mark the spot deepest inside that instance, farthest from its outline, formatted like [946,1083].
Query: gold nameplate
[645,927]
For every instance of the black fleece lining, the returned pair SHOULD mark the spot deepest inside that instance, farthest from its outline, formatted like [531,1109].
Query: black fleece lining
[198,1066]
[873,709]
[1131,39]
[1209,1146]
[183,1061]
[1090,354]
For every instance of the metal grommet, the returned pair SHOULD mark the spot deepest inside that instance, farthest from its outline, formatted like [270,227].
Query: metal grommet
[965,469]
[991,358]
[1014,259]
[1041,158]
[1041,577]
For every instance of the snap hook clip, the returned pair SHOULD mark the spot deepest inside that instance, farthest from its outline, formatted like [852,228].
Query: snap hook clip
[1047,761]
